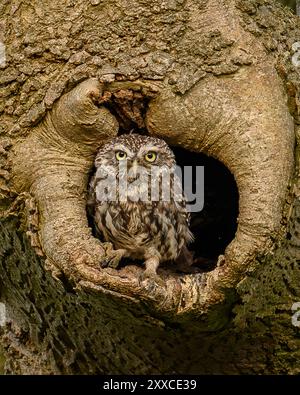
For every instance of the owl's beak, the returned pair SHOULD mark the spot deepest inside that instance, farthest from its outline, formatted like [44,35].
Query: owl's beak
[133,172]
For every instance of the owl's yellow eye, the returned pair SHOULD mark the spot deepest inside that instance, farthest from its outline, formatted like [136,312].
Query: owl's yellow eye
[151,156]
[121,155]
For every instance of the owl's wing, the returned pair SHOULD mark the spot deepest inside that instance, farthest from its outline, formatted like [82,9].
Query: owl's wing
[91,205]
[179,196]
[91,198]
[179,201]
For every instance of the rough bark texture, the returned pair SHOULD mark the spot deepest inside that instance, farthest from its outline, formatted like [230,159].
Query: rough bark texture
[216,77]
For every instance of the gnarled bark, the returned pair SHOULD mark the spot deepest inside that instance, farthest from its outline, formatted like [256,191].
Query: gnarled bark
[213,77]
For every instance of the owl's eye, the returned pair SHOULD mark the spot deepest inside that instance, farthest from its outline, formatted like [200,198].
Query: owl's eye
[121,155]
[151,156]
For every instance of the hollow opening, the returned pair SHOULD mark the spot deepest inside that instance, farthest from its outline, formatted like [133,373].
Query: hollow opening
[213,227]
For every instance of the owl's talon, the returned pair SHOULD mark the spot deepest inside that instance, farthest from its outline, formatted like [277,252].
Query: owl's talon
[104,263]
[114,264]
[108,247]
[113,258]
[151,276]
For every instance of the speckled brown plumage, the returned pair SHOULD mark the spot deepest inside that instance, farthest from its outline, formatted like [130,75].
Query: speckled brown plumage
[153,231]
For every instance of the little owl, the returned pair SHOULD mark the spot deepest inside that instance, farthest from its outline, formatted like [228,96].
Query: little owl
[138,203]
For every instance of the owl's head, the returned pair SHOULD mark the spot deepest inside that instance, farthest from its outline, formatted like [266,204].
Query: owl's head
[135,149]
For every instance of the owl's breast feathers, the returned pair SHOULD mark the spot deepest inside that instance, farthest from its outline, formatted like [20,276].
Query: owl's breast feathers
[138,226]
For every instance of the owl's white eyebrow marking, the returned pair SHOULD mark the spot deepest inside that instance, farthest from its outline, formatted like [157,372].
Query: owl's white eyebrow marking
[148,148]
[121,147]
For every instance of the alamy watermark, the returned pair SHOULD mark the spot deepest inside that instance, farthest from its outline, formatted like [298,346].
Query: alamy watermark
[2,55]
[296,56]
[2,314]
[296,315]
[152,184]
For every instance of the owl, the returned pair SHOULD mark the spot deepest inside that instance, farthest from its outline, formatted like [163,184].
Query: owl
[138,204]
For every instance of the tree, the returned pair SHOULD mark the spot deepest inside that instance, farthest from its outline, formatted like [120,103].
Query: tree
[215,77]
[290,3]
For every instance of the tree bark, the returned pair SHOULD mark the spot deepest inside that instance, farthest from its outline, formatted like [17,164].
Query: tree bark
[215,77]
[290,3]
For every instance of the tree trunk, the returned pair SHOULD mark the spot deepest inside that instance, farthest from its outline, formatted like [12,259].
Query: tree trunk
[290,3]
[213,77]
